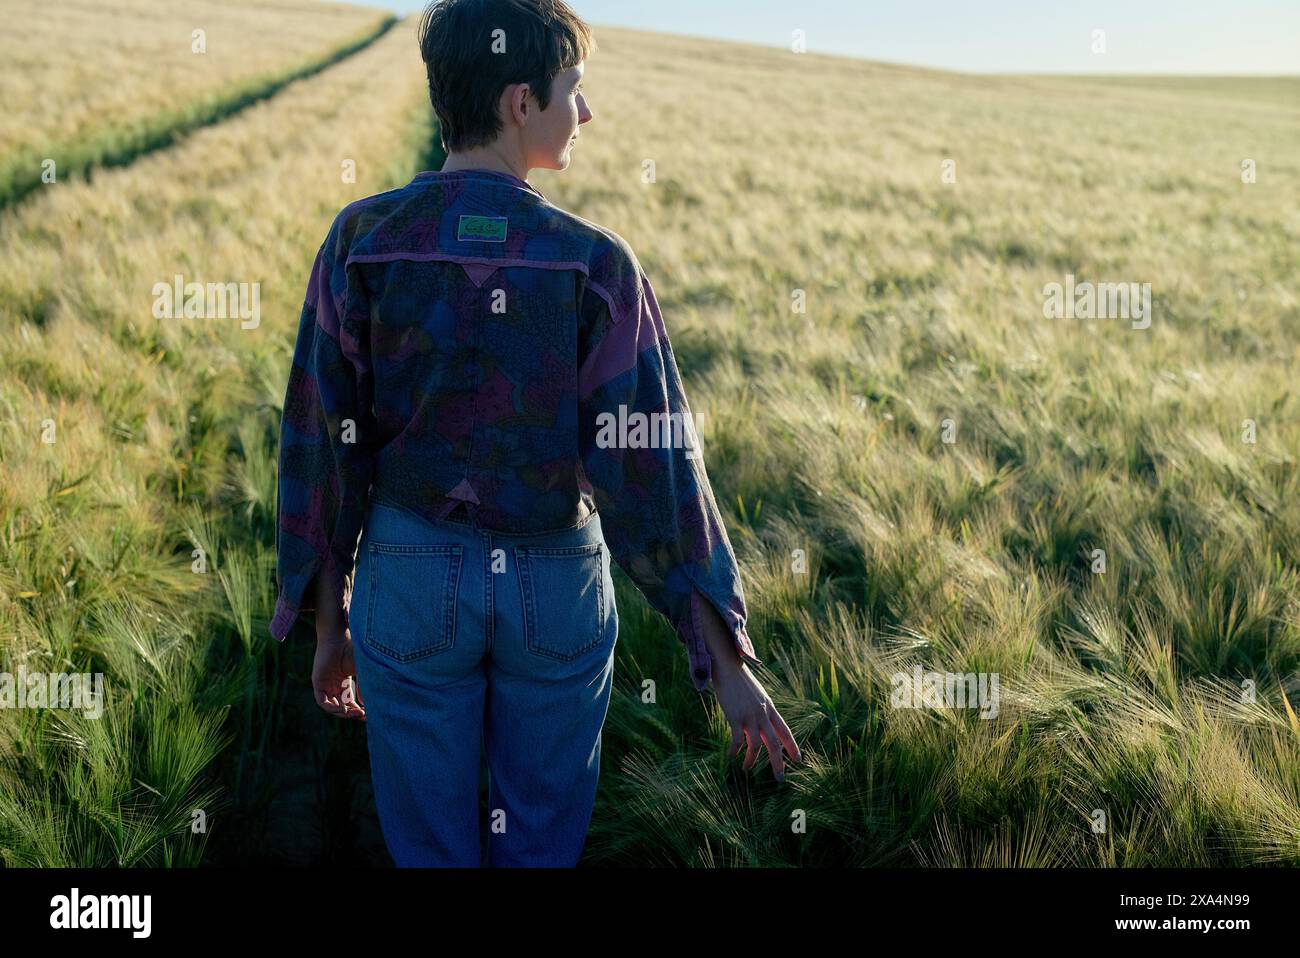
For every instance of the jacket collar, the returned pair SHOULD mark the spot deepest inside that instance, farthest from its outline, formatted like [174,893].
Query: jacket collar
[491,174]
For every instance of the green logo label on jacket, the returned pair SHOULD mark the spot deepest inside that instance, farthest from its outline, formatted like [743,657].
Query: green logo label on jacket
[489,229]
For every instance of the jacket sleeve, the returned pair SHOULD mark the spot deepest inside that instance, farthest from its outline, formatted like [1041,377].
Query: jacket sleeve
[657,510]
[326,438]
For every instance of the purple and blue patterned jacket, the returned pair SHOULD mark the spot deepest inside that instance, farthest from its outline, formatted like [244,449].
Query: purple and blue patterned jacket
[461,339]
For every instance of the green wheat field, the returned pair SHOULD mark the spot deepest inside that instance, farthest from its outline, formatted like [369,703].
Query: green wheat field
[919,468]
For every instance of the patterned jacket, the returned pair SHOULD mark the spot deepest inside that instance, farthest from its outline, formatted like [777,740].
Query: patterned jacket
[462,339]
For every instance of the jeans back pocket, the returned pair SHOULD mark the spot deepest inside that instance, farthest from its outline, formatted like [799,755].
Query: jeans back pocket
[563,593]
[411,612]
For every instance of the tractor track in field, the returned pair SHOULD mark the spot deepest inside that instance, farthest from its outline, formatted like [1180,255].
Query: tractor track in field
[167,129]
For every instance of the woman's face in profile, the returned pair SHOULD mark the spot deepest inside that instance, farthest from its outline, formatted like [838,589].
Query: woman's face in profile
[551,133]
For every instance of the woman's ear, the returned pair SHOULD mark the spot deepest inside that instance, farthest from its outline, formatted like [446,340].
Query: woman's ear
[519,101]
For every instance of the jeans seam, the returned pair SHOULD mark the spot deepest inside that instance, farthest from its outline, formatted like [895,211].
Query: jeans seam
[522,573]
[452,588]
[488,591]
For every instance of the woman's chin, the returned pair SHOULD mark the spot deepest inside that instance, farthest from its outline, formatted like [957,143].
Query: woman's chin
[558,162]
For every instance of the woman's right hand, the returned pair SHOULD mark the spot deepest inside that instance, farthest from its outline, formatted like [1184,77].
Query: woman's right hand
[753,717]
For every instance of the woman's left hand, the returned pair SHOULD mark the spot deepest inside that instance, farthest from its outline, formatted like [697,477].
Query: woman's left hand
[334,675]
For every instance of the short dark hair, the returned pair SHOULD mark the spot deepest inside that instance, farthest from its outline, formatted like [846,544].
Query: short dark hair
[459,44]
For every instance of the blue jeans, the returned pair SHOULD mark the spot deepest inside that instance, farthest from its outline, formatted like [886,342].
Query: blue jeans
[467,642]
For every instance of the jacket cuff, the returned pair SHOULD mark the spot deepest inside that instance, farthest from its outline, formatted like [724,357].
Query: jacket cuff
[691,631]
[287,611]
[284,618]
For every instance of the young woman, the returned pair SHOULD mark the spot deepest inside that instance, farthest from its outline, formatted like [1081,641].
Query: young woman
[468,362]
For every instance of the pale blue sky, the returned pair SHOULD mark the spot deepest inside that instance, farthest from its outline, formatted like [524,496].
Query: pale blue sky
[989,36]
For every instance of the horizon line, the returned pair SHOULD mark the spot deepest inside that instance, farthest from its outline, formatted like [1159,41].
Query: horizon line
[907,64]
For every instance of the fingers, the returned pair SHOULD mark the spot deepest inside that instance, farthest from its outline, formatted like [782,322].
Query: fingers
[349,696]
[353,712]
[751,753]
[334,681]
[787,738]
[349,665]
[340,705]
[769,728]
[352,707]
[774,756]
